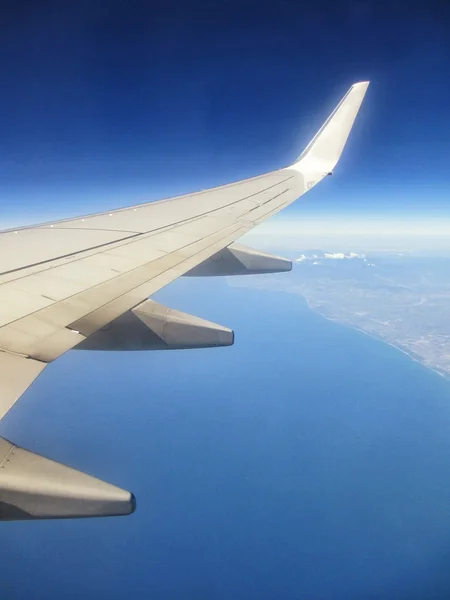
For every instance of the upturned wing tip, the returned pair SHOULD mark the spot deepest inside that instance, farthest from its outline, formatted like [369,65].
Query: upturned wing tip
[361,84]
[324,150]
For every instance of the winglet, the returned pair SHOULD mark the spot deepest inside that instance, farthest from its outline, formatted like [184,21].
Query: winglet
[323,152]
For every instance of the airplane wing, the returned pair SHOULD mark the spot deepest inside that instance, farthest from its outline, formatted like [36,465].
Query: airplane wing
[84,283]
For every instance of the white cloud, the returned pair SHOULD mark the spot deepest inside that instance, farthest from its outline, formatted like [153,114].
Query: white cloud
[341,255]
[331,256]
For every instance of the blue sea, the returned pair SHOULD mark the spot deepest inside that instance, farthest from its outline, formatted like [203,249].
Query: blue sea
[308,461]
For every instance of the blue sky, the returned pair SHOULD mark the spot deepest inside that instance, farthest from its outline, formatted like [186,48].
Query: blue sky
[110,103]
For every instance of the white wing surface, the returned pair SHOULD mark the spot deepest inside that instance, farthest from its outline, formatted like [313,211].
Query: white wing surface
[65,281]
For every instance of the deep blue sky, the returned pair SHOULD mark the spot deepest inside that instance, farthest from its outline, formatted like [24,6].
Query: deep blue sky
[107,103]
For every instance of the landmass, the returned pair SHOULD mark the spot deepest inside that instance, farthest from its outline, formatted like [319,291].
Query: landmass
[401,299]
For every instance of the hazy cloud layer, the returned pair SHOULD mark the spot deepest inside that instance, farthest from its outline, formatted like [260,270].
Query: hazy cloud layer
[331,256]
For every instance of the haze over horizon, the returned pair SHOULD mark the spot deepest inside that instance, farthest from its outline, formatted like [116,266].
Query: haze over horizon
[141,111]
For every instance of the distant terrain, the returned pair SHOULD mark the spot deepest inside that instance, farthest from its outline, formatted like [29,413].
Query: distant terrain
[401,299]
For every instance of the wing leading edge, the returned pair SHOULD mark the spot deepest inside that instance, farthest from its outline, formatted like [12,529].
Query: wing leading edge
[61,282]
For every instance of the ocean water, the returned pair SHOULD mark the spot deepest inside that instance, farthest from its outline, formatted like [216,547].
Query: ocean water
[307,461]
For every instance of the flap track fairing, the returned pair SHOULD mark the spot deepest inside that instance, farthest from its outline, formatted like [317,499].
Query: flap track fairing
[152,326]
[240,260]
[34,487]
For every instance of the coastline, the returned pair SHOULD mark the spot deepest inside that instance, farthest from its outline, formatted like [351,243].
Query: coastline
[410,354]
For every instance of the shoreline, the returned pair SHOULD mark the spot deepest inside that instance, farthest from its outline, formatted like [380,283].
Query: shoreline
[410,355]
